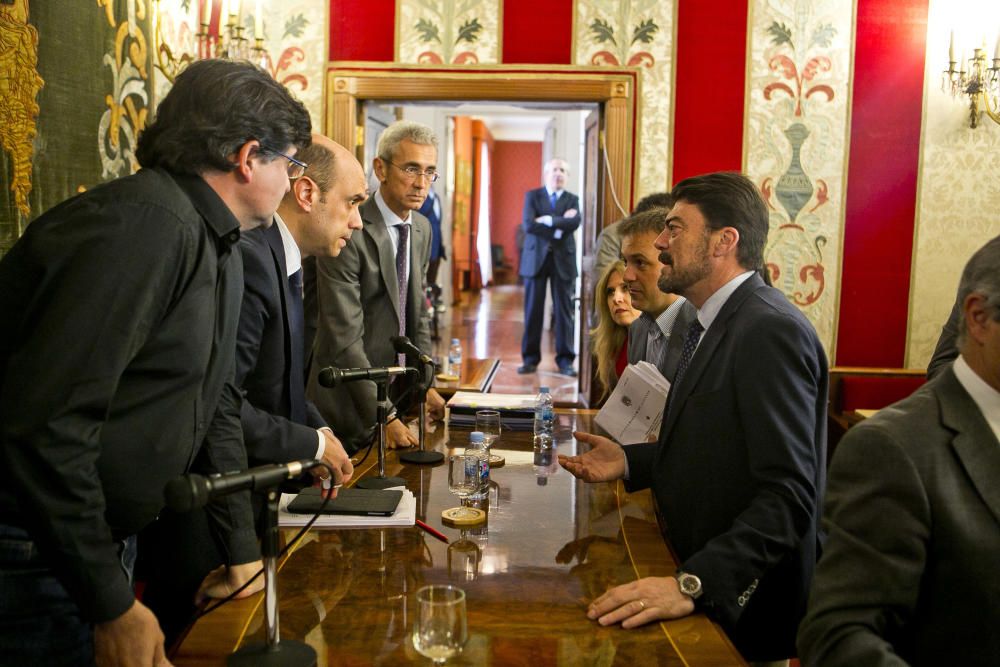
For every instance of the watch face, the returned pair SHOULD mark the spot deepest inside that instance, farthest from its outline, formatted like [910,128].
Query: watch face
[689,585]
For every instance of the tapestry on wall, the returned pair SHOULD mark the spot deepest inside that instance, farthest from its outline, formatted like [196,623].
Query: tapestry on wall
[95,63]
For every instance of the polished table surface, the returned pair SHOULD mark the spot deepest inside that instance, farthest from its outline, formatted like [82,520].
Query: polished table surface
[551,544]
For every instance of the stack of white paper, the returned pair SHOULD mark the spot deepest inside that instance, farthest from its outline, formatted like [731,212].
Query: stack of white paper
[634,410]
[405,515]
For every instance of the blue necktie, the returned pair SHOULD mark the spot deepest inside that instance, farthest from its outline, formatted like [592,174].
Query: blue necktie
[687,352]
[402,260]
[553,198]
[296,331]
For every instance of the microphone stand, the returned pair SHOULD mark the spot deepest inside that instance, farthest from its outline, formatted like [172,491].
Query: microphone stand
[381,482]
[274,652]
[422,456]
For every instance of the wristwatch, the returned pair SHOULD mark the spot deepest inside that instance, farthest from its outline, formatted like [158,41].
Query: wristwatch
[690,585]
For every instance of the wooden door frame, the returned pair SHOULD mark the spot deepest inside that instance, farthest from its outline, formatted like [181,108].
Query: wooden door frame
[616,91]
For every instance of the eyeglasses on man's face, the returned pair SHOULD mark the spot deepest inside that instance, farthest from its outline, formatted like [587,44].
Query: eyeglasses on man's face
[413,172]
[295,167]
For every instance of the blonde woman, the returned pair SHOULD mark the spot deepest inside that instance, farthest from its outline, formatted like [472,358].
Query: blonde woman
[609,339]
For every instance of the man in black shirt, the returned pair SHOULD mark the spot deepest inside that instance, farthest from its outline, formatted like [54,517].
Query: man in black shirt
[118,318]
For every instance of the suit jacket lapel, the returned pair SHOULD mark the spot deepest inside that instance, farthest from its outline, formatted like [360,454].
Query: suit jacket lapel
[706,350]
[974,443]
[273,236]
[374,227]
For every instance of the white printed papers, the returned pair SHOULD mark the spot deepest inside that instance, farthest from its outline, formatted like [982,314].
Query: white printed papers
[634,410]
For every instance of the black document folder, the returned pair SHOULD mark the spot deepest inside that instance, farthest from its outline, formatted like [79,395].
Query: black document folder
[361,502]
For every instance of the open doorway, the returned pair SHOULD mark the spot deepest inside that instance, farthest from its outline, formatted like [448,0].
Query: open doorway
[523,110]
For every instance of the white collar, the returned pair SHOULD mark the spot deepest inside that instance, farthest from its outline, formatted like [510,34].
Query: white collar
[986,398]
[390,218]
[558,193]
[293,256]
[713,304]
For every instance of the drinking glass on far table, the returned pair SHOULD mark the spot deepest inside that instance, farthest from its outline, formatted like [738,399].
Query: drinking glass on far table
[464,479]
[488,421]
[439,628]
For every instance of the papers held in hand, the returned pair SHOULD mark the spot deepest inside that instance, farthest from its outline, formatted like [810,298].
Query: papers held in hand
[634,410]
[364,507]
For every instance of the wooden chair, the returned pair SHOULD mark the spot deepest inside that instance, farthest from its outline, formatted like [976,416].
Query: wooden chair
[860,388]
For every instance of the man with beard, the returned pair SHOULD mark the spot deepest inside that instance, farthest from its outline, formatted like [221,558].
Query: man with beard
[739,467]
[649,336]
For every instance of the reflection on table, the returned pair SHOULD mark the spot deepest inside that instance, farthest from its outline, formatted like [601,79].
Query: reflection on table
[549,546]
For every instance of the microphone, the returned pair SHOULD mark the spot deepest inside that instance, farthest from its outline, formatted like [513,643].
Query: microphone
[331,377]
[189,492]
[403,345]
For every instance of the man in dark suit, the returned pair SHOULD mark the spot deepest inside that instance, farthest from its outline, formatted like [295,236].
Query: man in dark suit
[375,289]
[909,571]
[315,218]
[118,318]
[738,470]
[551,216]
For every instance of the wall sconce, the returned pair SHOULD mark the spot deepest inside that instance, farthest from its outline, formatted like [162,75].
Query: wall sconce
[227,41]
[976,79]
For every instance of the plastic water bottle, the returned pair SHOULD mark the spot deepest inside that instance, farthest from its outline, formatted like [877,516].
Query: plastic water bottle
[477,449]
[455,358]
[544,419]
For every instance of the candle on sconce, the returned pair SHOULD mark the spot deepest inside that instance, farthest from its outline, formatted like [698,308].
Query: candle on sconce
[234,11]
[996,50]
[258,22]
[951,47]
[961,63]
[206,12]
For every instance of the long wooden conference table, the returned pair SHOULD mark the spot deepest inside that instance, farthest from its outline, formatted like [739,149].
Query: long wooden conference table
[551,544]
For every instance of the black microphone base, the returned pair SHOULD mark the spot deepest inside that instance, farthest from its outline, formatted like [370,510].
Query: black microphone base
[422,458]
[380,482]
[286,653]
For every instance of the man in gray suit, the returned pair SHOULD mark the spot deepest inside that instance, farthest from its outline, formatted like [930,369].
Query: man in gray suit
[649,336]
[375,289]
[908,574]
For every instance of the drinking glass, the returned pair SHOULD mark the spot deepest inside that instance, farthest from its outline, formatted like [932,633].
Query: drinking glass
[464,478]
[439,628]
[488,421]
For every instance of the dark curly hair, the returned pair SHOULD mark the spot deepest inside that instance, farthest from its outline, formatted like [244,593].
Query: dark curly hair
[213,108]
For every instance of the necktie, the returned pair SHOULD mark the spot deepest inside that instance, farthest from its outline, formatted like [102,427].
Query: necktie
[690,344]
[402,261]
[553,198]
[296,330]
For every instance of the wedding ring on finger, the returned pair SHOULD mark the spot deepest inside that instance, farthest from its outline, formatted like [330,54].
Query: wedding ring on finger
[642,604]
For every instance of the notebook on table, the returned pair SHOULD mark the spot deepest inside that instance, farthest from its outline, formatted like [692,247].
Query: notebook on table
[358,502]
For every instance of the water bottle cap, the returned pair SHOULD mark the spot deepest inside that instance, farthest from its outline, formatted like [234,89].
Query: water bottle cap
[543,390]
[476,436]
[454,341]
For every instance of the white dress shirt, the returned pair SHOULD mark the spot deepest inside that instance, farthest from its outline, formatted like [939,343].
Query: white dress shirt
[391,222]
[986,398]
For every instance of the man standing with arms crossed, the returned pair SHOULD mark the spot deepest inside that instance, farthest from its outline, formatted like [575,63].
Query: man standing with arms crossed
[739,467]
[117,345]
[551,216]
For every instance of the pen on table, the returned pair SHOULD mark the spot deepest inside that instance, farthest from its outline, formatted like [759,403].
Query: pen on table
[430,530]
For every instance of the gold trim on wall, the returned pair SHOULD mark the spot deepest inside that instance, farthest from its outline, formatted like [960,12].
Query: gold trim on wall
[350,84]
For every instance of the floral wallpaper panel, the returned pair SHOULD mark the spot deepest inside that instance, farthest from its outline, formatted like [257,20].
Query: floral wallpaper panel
[636,34]
[448,32]
[294,44]
[796,140]
[958,206]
